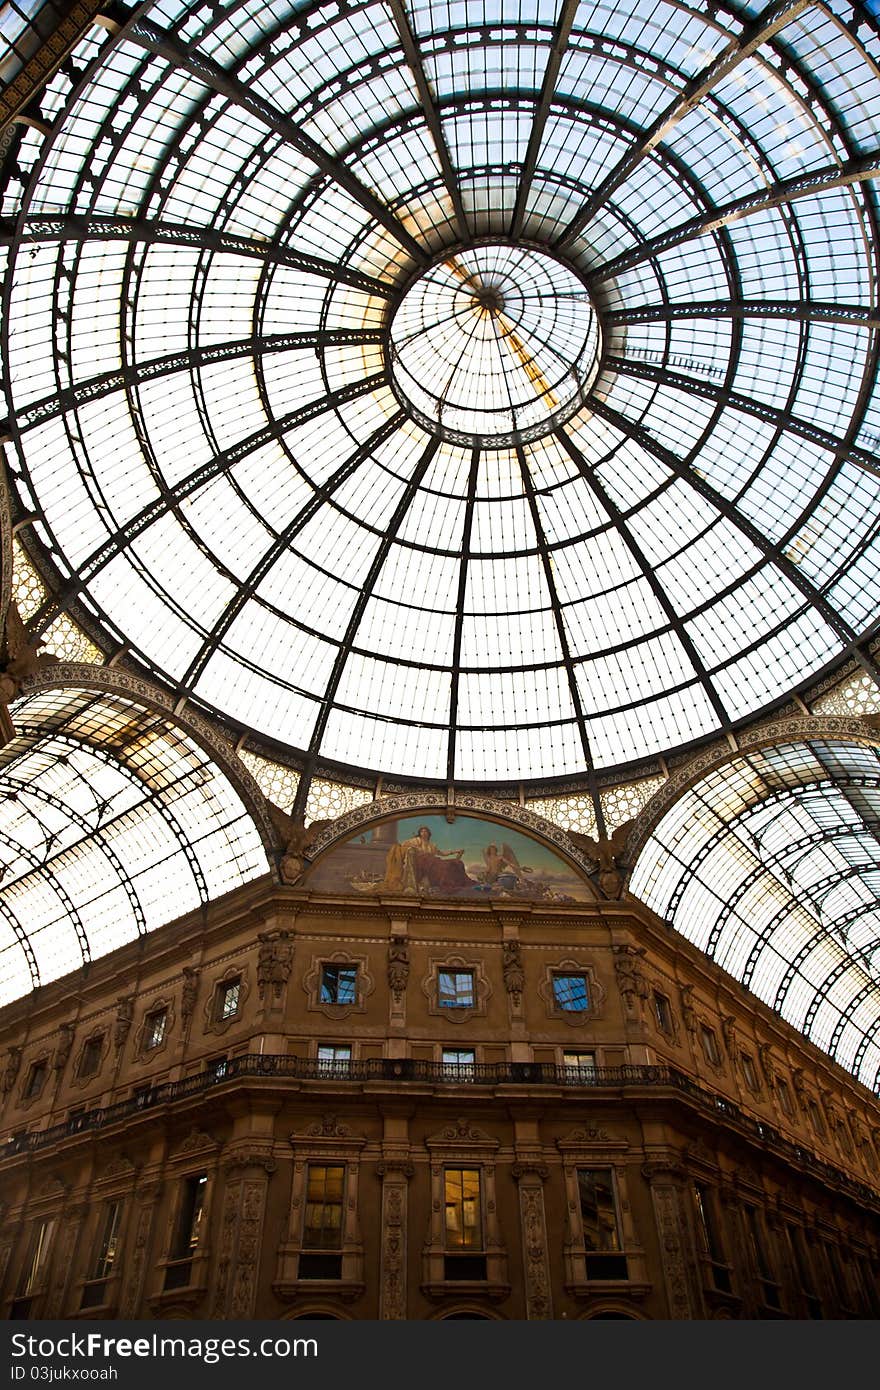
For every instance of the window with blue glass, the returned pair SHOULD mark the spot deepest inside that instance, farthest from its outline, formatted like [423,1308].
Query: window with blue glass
[338,984]
[455,989]
[570,993]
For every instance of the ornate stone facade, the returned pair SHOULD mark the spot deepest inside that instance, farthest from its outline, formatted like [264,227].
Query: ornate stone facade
[584,1148]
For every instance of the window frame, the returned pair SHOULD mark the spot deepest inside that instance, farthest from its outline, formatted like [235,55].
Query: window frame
[454,999]
[151,1042]
[340,968]
[710,1046]
[662,1005]
[38,1070]
[93,1047]
[595,992]
[223,993]
[455,1069]
[465,1147]
[578,1070]
[583,1277]
[335,1066]
[557,978]
[330,1144]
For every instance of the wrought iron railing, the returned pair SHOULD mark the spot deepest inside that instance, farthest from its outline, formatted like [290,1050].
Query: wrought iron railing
[409,1070]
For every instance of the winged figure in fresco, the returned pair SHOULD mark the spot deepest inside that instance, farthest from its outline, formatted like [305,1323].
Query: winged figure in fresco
[501,861]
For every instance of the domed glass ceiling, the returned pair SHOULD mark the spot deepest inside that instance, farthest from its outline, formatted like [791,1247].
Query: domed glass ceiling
[479,391]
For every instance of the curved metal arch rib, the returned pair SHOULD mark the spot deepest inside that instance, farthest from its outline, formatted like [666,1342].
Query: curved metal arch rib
[195,855]
[701,856]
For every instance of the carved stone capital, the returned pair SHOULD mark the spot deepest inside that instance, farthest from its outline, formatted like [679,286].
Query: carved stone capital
[395,1167]
[659,1170]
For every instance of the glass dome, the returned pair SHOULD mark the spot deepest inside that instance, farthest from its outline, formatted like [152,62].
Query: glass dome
[466,391]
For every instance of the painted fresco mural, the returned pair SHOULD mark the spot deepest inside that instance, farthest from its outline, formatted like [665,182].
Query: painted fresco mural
[427,856]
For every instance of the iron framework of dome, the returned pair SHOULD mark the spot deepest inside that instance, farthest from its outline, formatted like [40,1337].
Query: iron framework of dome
[470,392]
[770,863]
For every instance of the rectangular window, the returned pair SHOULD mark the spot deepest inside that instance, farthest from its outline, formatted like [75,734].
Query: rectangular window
[784,1095]
[750,1076]
[95,1290]
[333,1060]
[570,993]
[598,1209]
[816,1118]
[710,1045]
[338,984]
[35,1267]
[154,1028]
[322,1224]
[462,1200]
[35,1080]
[459,1063]
[178,1273]
[217,1067]
[323,1220]
[801,1262]
[109,1242]
[761,1258]
[90,1057]
[600,1224]
[579,1066]
[456,989]
[710,1237]
[662,1011]
[189,1220]
[227,999]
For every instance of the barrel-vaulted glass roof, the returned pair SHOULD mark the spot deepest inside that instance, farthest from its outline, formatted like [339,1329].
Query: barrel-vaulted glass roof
[464,390]
[771,864]
[112,822]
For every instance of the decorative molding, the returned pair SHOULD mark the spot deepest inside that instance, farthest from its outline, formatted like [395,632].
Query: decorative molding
[539,1304]
[462,1133]
[631,982]
[575,1018]
[476,965]
[512,970]
[398,967]
[197,1141]
[364,985]
[236,970]
[162,1002]
[274,963]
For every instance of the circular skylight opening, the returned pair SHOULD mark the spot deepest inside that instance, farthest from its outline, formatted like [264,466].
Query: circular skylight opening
[494,344]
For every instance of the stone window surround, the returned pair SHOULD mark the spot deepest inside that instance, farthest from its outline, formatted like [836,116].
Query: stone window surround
[235,971]
[461,1145]
[328,1142]
[102,1033]
[482,987]
[364,984]
[594,1148]
[595,993]
[198,1153]
[25,1101]
[142,1053]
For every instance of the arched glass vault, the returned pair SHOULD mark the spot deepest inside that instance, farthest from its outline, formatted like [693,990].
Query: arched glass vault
[771,864]
[270,255]
[112,823]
